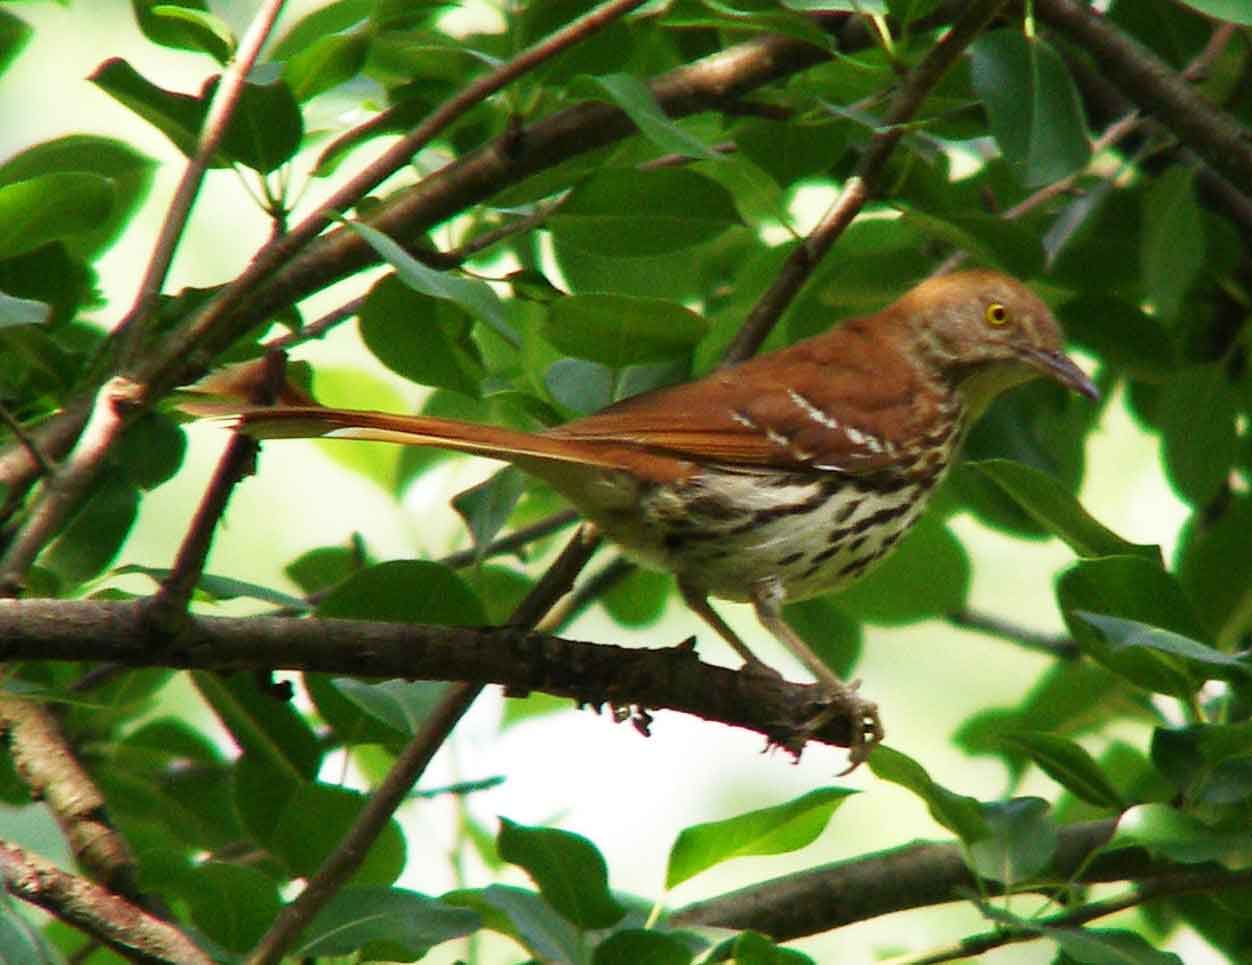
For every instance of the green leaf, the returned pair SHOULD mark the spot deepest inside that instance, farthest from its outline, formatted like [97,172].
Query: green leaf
[474,296]
[266,128]
[223,587]
[959,813]
[312,823]
[330,18]
[568,869]
[323,567]
[639,946]
[794,149]
[1108,946]
[1129,341]
[1021,842]
[230,903]
[1214,565]
[1032,106]
[1173,239]
[426,340]
[902,589]
[95,536]
[773,830]
[1235,11]
[536,925]
[359,916]
[51,207]
[269,731]
[177,116]
[14,35]
[635,97]
[753,948]
[1198,414]
[1133,589]
[151,451]
[1211,764]
[1069,764]
[828,630]
[401,705]
[488,506]
[621,330]
[639,599]
[631,213]
[1069,698]
[582,386]
[1005,244]
[185,25]
[1207,663]
[405,591]
[327,63]
[129,173]
[1170,833]
[1056,508]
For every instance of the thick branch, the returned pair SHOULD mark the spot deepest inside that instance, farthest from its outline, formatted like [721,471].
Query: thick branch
[671,678]
[128,930]
[912,876]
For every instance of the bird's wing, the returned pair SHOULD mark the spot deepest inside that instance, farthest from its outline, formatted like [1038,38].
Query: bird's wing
[837,404]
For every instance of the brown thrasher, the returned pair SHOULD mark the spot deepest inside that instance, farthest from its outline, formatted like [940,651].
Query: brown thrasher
[783,477]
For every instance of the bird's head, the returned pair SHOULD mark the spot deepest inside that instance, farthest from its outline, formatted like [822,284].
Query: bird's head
[984,332]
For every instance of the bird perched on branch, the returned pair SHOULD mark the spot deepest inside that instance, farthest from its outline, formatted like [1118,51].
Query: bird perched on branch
[781,478]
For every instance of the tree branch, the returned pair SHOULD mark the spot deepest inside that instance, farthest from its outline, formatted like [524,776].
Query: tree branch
[412,763]
[911,876]
[670,678]
[1157,89]
[1183,882]
[44,760]
[130,331]
[113,921]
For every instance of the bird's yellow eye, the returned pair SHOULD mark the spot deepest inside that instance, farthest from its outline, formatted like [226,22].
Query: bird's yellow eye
[996,314]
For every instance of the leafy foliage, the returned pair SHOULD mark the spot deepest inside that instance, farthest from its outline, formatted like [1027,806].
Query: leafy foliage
[596,225]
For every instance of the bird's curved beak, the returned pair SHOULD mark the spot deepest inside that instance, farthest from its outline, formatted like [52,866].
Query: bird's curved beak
[1062,368]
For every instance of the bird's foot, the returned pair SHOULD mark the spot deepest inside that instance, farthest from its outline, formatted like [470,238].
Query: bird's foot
[841,699]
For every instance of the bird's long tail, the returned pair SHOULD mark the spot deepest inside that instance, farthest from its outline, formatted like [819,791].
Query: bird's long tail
[542,455]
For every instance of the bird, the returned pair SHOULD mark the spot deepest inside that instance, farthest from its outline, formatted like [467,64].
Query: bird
[780,478]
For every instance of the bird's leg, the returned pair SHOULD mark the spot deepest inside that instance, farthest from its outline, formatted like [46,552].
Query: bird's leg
[698,603]
[842,696]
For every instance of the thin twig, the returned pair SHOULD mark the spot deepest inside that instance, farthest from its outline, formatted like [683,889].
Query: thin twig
[1056,646]
[409,767]
[130,331]
[36,454]
[1183,883]
[859,188]
[588,593]
[169,605]
[1115,132]
[318,328]
[513,541]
